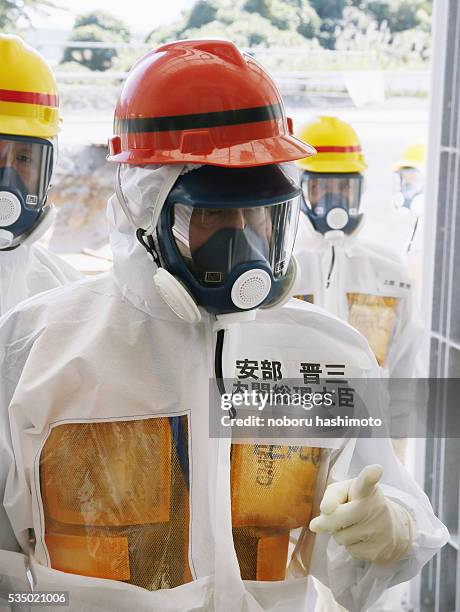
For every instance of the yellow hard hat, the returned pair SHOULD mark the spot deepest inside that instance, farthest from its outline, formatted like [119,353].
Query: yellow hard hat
[29,102]
[413,157]
[337,145]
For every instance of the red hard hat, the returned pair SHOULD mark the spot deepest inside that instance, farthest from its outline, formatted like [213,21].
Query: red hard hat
[202,102]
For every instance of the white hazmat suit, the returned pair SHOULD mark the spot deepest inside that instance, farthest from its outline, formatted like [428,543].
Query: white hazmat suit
[367,285]
[28,270]
[91,376]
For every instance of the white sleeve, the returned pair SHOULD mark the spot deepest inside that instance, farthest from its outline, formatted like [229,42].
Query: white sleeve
[406,341]
[13,562]
[404,362]
[357,584]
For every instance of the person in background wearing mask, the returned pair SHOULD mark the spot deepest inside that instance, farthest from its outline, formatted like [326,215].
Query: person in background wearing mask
[364,283]
[29,124]
[409,177]
[114,488]
[409,201]
[361,282]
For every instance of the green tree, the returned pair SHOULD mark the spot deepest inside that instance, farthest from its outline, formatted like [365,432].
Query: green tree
[359,31]
[99,27]
[400,15]
[329,9]
[106,21]
[254,22]
[11,11]
[251,31]
[332,24]
[294,15]
[203,12]
[330,12]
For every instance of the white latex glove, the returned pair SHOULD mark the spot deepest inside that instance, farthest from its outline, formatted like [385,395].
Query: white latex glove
[359,516]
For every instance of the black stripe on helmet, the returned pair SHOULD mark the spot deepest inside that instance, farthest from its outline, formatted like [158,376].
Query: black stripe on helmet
[198,120]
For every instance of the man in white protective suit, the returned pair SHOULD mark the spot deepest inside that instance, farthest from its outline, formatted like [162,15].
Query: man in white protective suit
[113,489]
[29,124]
[408,197]
[409,202]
